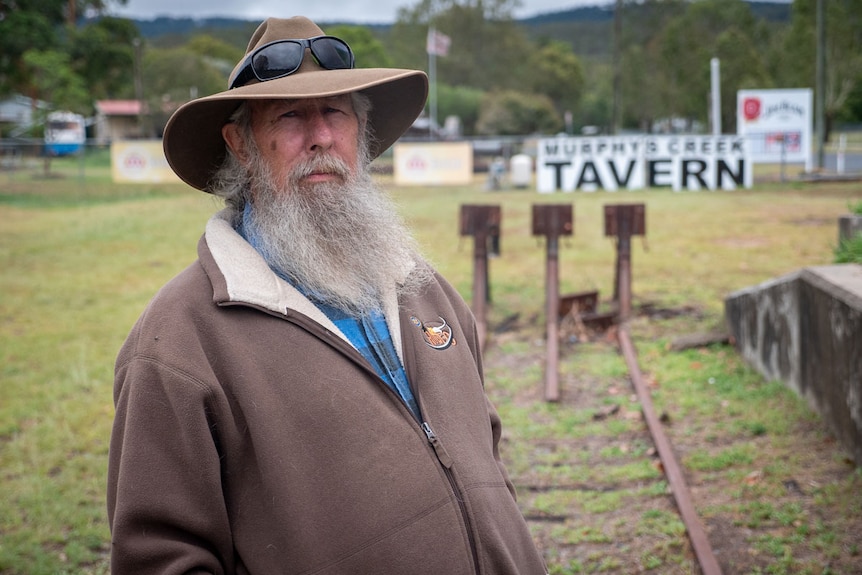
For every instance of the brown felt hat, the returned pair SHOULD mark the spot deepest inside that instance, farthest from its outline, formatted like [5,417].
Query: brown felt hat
[193,143]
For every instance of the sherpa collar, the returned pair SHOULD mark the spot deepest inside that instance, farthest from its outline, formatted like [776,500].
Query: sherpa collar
[248,279]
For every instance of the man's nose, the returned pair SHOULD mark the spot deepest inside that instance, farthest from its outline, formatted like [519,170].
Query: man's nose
[320,135]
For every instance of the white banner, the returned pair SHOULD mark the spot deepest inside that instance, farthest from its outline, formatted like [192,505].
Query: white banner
[777,124]
[140,161]
[433,163]
[635,162]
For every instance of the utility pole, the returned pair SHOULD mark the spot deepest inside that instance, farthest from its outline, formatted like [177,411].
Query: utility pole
[715,82]
[139,85]
[820,81]
[616,121]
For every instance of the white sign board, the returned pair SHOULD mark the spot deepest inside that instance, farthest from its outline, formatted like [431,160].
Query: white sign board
[777,124]
[433,163]
[140,161]
[636,162]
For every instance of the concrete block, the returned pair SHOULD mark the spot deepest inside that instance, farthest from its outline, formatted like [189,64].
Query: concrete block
[805,329]
[849,227]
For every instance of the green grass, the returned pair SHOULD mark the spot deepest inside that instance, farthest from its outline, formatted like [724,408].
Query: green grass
[849,251]
[81,257]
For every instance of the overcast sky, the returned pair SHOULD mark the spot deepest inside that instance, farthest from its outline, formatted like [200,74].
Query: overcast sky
[371,11]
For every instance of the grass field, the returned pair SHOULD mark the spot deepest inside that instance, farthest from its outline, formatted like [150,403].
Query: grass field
[81,256]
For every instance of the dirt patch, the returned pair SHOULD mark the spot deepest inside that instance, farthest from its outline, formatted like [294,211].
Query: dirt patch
[743,243]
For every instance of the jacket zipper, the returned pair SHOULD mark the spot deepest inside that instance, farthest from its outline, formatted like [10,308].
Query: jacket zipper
[446,461]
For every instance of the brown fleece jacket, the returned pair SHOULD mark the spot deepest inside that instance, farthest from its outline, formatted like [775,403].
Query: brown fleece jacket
[251,437]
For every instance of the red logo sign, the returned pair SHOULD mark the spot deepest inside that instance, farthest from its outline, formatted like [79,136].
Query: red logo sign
[751,108]
[134,162]
[416,163]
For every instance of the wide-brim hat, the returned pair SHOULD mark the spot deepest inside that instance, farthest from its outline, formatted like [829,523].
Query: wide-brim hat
[193,142]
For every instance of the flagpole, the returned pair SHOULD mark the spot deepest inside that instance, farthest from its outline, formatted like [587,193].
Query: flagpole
[432,81]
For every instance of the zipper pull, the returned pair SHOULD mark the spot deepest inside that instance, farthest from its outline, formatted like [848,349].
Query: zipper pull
[442,455]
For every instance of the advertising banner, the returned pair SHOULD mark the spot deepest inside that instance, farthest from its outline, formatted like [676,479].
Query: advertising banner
[777,124]
[433,163]
[140,161]
[635,162]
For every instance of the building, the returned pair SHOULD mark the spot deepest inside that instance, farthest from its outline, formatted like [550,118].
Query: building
[18,114]
[118,120]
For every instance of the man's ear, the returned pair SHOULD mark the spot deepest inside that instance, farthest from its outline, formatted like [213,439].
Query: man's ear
[234,141]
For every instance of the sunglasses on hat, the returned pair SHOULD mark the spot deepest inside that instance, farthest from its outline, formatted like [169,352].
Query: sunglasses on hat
[283,57]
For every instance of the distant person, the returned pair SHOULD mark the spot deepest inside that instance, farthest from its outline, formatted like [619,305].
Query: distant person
[306,397]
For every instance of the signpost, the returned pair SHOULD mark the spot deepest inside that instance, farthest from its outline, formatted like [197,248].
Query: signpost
[777,125]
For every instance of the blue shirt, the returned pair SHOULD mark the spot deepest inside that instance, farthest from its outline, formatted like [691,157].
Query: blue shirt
[369,334]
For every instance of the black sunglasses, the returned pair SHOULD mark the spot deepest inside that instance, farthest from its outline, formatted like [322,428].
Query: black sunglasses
[283,57]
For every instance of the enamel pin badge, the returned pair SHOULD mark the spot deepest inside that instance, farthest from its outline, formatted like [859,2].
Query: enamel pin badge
[437,333]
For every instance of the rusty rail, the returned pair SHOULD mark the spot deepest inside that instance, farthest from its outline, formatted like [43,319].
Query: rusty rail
[673,472]
[623,221]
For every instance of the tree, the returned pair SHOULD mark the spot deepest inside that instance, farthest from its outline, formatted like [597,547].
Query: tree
[597,100]
[641,88]
[38,25]
[490,52]
[516,113]
[852,110]
[173,76]
[217,53]
[488,48]
[688,43]
[369,51]
[843,27]
[460,101]
[741,68]
[207,45]
[556,72]
[102,55]
[21,30]
[645,83]
[53,79]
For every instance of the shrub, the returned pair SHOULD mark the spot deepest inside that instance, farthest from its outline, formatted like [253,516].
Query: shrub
[849,251]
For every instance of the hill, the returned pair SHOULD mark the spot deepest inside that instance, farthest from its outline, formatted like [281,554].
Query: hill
[586,28]
[771,11]
[589,29]
[601,13]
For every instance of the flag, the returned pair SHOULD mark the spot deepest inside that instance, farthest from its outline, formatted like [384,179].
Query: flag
[437,43]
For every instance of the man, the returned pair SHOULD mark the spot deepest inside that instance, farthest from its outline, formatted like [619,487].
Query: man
[307,397]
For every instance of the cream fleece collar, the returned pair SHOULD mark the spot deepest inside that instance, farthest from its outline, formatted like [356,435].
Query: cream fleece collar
[250,280]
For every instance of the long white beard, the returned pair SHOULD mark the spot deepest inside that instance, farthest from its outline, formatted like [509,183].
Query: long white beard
[343,243]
